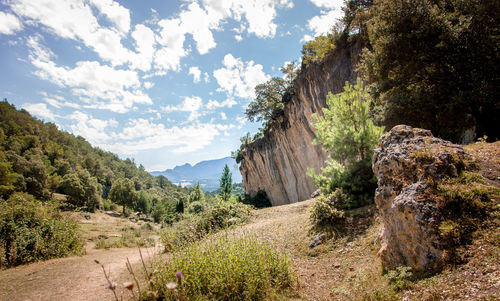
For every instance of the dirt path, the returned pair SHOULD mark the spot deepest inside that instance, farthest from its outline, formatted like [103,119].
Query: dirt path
[73,278]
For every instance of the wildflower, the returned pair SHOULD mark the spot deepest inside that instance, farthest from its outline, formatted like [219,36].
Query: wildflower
[171,285]
[179,275]
[111,285]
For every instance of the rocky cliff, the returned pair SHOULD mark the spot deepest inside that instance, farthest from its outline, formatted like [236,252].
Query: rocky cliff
[278,162]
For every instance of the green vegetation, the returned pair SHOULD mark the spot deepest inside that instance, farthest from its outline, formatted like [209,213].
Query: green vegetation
[226,184]
[347,132]
[226,268]
[466,203]
[207,218]
[435,65]
[317,49]
[31,230]
[130,237]
[259,200]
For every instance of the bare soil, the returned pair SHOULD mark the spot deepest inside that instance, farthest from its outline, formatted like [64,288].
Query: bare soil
[73,278]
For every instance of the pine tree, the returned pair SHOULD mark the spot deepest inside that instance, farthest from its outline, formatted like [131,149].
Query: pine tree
[347,132]
[226,184]
[197,194]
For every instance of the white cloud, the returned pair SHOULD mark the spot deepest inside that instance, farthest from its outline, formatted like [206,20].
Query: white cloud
[145,41]
[223,116]
[213,104]
[74,19]
[206,77]
[324,23]
[306,38]
[148,85]
[239,78]
[196,72]
[142,134]
[60,102]
[258,14]
[117,14]
[329,4]
[189,104]
[172,38]
[238,38]
[94,130]
[98,85]
[9,23]
[39,109]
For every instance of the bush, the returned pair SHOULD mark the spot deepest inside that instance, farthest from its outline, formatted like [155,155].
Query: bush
[227,268]
[194,227]
[31,230]
[328,210]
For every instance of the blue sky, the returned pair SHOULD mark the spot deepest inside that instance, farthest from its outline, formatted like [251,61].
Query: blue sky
[164,82]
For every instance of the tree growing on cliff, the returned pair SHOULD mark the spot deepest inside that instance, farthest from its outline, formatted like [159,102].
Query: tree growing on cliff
[347,132]
[226,184]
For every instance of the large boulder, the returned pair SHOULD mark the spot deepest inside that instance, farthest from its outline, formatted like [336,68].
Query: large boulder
[408,164]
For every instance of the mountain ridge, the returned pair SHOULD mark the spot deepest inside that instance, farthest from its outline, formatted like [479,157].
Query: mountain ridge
[206,172]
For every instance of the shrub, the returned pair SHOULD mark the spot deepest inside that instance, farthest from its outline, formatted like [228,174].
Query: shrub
[196,207]
[227,268]
[328,210]
[31,230]
[194,227]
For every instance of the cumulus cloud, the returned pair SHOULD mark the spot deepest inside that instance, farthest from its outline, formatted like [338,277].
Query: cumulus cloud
[94,130]
[74,19]
[324,23]
[145,45]
[189,104]
[214,104]
[142,134]
[39,109]
[239,78]
[196,73]
[117,14]
[9,24]
[100,86]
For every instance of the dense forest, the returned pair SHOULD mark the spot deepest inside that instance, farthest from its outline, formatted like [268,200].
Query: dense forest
[39,159]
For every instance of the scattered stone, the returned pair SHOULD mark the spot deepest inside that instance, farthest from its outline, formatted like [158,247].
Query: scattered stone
[316,193]
[336,265]
[317,240]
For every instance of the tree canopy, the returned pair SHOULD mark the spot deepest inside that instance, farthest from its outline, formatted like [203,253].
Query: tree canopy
[436,65]
[226,184]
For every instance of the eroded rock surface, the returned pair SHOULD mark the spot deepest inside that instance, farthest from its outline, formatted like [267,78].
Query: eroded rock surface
[278,163]
[408,163]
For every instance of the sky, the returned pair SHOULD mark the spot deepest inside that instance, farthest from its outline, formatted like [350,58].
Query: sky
[164,82]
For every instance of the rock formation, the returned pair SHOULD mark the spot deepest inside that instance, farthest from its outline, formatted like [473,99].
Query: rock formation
[408,163]
[278,162]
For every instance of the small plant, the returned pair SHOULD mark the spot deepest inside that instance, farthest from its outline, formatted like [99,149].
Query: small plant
[224,268]
[130,237]
[328,210]
[400,277]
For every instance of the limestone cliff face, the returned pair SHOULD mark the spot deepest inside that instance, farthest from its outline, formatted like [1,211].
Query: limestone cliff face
[278,162]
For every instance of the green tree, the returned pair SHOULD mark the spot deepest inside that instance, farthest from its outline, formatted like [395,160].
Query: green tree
[7,177]
[82,189]
[435,64]
[347,132]
[226,184]
[271,96]
[123,192]
[197,194]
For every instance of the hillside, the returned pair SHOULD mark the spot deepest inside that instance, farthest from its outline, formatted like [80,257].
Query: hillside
[207,173]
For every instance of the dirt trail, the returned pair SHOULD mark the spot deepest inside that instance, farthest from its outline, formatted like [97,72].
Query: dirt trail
[72,278]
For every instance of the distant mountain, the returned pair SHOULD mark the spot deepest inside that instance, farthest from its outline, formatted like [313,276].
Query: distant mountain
[207,173]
